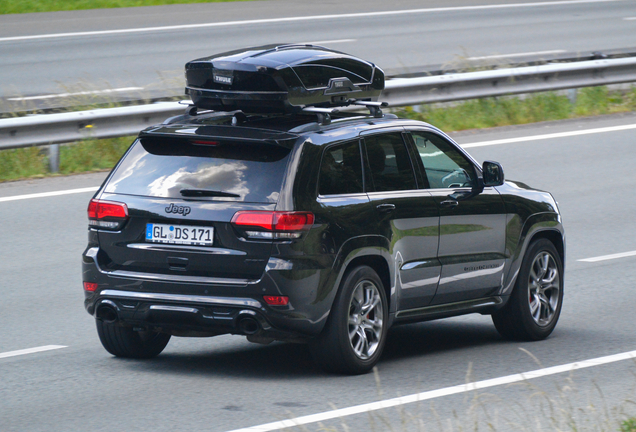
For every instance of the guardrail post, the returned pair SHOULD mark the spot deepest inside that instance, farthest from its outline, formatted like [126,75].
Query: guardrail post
[54,158]
[572,94]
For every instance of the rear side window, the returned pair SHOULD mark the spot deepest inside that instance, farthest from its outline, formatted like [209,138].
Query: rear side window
[390,164]
[341,170]
[224,170]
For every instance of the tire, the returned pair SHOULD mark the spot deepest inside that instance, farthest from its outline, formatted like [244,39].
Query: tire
[352,342]
[535,304]
[125,342]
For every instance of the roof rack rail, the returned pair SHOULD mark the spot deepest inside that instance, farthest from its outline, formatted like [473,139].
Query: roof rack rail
[324,114]
[375,108]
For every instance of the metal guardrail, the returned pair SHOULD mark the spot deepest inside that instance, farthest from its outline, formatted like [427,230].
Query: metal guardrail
[113,122]
[44,129]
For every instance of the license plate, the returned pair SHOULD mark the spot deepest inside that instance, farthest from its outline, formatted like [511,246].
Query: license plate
[179,234]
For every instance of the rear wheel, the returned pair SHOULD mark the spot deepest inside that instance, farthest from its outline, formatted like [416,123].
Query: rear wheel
[354,335]
[123,341]
[535,303]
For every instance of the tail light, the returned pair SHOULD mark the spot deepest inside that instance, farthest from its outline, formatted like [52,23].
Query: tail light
[107,214]
[271,225]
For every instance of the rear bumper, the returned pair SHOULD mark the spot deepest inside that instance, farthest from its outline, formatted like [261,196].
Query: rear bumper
[193,305]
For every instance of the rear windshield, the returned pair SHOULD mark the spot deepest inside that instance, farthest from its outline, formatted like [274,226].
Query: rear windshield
[223,170]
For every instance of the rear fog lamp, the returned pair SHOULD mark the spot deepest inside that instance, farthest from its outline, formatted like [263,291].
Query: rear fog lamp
[90,286]
[276,300]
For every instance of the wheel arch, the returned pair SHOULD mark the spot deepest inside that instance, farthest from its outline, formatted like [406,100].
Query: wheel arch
[379,264]
[540,225]
[372,251]
[555,237]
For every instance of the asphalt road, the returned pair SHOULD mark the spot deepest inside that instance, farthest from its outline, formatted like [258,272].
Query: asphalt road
[141,51]
[225,383]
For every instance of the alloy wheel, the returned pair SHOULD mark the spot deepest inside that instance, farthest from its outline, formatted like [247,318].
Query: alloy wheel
[365,319]
[543,288]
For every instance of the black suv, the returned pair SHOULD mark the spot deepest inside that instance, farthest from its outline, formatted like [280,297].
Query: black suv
[313,226]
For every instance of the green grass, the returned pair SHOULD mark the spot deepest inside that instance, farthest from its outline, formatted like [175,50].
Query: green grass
[94,155]
[85,156]
[28,6]
[629,425]
[506,111]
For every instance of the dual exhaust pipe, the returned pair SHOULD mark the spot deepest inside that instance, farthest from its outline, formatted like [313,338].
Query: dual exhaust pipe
[246,321]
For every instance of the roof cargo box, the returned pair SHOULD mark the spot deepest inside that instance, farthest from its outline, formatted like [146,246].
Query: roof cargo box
[281,79]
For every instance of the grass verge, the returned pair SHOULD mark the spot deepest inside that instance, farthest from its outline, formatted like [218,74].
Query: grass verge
[86,156]
[94,155]
[538,107]
[29,6]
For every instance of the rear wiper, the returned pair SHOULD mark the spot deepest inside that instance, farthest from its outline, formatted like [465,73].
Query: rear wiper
[207,193]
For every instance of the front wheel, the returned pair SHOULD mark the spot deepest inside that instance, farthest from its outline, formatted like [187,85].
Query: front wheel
[354,335]
[123,341]
[535,303]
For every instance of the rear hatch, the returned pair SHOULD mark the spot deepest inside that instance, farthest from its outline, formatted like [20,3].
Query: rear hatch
[180,195]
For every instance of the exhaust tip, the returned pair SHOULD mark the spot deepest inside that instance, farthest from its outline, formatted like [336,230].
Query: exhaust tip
[248,325]
[107,312]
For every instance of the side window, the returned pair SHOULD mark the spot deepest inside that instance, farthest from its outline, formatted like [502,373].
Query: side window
[391,167]
[341,170]
[444,165]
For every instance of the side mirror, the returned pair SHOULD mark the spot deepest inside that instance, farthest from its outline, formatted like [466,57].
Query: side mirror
[493,173]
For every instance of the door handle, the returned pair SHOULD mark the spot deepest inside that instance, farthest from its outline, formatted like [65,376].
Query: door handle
[385,207]
[449,203]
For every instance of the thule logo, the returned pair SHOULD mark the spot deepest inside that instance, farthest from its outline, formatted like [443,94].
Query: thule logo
[223,79]
[182,210]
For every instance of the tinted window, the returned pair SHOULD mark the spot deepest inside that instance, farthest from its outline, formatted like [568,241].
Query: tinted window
[164,167]
[389,161]
[444,165]
[341,170]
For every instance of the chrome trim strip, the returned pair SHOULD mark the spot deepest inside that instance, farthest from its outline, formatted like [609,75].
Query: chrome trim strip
[177,278]
[170,247]
[174,309]
[227,301]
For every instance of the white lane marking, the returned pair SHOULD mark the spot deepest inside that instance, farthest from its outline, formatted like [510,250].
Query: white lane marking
[517,55]
[31,350]
[61,95]
[550,136]
[302,18]
[463,388]
[329,42]
[630,19]
[609,257]
[49,194]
